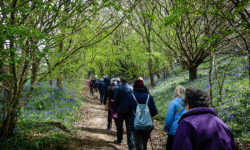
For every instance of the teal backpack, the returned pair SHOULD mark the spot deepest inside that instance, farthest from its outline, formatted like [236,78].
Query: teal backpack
[143,119]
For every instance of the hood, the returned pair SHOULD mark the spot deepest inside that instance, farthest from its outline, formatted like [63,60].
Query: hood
[199,110]
[180,101]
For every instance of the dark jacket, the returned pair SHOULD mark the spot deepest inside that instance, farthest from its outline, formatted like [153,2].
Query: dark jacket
[201,128]
[101,87]
[121,98]
[145,89]
[110,93]
[141,97]
[119,83]
[107,81]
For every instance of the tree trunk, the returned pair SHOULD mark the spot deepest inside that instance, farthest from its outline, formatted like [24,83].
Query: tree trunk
[10,115]
[59,81]
[101,69]
[34,71]
[249,68]
[8,123]
[158,74]
[60,77]
[151,74]
[192,72]
[166,71]
[210,79]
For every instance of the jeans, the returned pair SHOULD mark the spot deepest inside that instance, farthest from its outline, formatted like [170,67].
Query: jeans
[124,117]
[141,139]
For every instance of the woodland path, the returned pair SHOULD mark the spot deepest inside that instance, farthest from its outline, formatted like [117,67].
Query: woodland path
[92,128]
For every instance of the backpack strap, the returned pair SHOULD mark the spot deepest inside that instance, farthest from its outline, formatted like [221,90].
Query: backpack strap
[134,98]
[147,100]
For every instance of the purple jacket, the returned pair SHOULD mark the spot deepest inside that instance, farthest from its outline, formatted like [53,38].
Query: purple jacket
[201,129]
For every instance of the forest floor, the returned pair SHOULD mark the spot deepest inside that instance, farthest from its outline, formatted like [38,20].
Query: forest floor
[92,132]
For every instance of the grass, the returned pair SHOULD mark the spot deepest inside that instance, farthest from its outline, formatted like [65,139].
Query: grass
[233,109]
[47,118]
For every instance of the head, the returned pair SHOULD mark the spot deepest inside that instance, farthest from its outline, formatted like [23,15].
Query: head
[124,80]
[179,91]
[138,84]
[113,80]
[140,78]
[101,79]
[95,76]
[118,79]
[196,98]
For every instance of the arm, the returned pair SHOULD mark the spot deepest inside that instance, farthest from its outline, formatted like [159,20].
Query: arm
[130,107]
[170,117]
[153,109]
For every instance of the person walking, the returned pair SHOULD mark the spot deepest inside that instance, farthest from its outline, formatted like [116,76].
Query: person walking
[200,127]
[101,88]
[109,98]
[118,81]
[122,103]
[95,83]
[145,88]
[175,110]
[90,87]
[140,96]
[106,80]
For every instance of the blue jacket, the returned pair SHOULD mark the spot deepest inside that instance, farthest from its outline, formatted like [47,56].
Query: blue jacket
[141,97]
[171,121]
[121,97]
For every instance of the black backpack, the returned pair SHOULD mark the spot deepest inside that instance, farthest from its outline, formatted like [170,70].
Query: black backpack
[95,83]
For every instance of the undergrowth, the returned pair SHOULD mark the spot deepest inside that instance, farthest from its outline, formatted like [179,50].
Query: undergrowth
[46,121]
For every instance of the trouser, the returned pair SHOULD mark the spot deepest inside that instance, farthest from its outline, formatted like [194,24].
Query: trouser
[124,117]
[91,91]
[141,139]
[109,120]
[170,142]
[95,92]
[101,96]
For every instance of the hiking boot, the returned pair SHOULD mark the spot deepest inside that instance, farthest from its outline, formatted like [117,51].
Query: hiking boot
[117,142]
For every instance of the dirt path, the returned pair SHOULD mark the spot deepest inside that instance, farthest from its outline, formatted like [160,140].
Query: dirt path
[92,128]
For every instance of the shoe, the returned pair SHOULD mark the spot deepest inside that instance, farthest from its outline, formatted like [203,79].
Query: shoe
[107,129]
[117,142]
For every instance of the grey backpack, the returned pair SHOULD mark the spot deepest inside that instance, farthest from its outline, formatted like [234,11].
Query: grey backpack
[143,119]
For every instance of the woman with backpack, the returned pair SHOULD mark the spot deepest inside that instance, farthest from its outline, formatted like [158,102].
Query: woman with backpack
[140,134]
[175,110]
